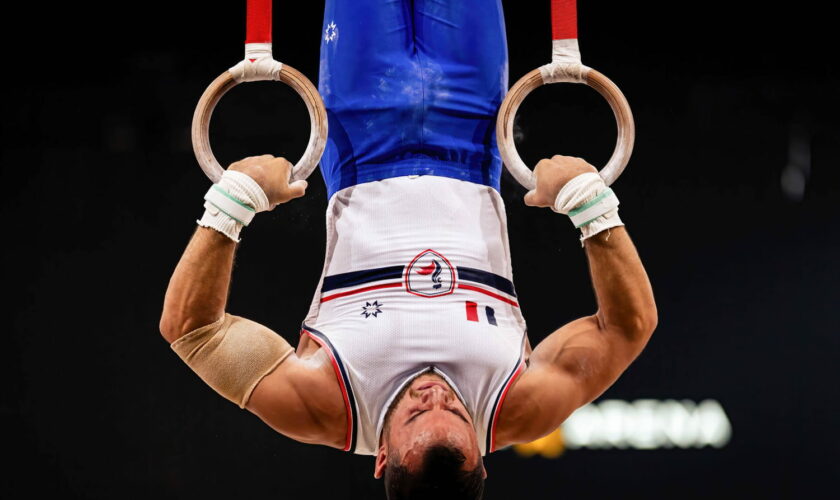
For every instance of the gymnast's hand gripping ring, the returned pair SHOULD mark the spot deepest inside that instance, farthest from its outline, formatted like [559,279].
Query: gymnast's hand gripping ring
[565,67]
[259,65]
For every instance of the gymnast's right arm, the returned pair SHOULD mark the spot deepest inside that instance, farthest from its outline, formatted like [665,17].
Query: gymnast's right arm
[580,360]
[233,355]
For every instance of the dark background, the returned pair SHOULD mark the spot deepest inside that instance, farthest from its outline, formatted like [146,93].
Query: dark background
[730,198]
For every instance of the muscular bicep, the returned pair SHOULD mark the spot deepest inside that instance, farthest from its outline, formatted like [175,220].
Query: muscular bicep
[302,401]
[571,367]
[584,355]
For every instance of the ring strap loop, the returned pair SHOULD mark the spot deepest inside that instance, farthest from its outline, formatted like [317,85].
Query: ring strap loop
[257,66]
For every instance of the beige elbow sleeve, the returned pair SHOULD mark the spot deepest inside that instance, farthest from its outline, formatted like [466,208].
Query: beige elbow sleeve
[232,355]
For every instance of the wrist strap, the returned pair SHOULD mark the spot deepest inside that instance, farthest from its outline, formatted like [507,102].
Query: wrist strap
[589,211]
[229,205]
[232,203]
[589,203]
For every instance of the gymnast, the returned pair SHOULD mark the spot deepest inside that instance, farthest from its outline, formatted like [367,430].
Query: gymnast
[414,349]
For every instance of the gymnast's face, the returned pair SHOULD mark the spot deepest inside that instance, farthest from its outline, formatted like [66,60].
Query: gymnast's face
[428,413]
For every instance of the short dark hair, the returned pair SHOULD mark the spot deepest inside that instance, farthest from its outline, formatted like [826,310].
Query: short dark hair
[439,477]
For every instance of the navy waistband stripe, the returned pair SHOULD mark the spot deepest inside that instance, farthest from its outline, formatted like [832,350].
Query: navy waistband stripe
[354,278]
[489,279]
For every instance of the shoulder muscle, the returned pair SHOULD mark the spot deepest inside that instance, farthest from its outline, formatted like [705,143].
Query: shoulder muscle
[570,368]
[301,399]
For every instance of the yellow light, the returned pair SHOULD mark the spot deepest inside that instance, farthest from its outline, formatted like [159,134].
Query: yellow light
[550,446]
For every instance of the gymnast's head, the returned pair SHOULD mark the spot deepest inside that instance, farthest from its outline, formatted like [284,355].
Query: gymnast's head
[428,447]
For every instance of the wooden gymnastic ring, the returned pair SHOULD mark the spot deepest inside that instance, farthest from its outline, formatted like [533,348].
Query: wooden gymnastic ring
[291,77]
[623,117]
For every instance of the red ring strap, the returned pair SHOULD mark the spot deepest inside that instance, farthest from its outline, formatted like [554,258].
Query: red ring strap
[563,19]
[258,21]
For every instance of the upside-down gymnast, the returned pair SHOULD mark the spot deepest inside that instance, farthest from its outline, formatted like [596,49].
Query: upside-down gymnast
[414,349]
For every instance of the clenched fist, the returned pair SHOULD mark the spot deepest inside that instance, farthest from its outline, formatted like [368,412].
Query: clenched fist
[552,175]
[272,174]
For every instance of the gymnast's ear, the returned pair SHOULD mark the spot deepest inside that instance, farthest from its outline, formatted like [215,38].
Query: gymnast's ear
[381,461]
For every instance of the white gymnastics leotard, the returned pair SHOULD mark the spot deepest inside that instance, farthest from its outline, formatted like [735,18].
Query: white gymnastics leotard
[417,276]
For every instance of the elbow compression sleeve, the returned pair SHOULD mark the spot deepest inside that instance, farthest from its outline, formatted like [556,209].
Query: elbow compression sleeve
[232,355]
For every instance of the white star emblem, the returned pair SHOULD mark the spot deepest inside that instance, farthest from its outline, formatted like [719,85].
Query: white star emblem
[331,33]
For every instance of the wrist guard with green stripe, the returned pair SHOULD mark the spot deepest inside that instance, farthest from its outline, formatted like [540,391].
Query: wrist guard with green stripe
[592,206]
[232,203]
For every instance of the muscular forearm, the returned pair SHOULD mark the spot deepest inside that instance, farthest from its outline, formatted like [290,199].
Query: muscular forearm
[198,289]
[622,288]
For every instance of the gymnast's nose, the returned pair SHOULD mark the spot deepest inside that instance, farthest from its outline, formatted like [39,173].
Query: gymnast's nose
[435,394]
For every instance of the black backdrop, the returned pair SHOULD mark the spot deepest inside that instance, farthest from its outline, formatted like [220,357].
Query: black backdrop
[730,198]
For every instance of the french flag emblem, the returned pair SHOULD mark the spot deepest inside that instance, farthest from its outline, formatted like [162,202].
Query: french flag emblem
[472,313]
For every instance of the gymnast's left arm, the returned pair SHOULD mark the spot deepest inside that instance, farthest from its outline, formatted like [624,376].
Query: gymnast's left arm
[579,361]
[230,353]
[197,292]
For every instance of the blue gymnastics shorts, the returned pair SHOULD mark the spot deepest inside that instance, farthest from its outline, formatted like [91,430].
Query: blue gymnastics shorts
[412,87]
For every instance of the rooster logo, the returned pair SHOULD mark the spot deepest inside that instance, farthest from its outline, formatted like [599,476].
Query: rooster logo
[433,269]
[430,274]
